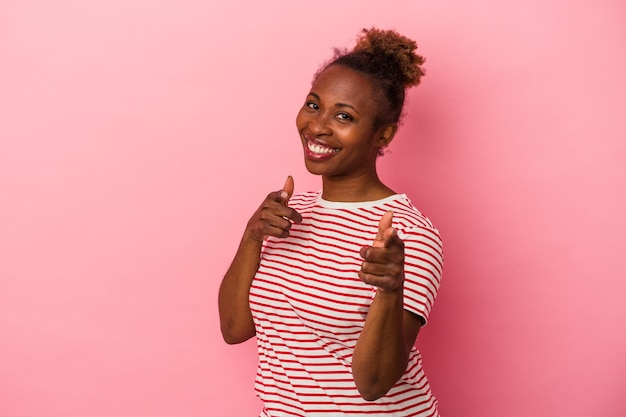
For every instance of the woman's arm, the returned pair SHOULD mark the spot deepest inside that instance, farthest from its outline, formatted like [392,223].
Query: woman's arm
[273,218]
[235,317]
[382,351]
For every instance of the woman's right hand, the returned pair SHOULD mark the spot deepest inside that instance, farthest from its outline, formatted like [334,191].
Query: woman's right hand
[274,217]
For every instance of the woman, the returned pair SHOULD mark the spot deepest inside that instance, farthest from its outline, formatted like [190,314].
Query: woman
[336,284]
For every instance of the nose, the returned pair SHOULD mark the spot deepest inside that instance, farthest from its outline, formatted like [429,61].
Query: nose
[319,125]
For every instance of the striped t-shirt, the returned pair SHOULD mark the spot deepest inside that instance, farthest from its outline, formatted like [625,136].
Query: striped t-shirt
[309,307]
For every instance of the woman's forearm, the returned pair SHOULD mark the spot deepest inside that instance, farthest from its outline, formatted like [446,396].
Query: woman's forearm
[236,321]
[381,353]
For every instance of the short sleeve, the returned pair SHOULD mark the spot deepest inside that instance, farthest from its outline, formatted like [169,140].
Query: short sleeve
[423,265]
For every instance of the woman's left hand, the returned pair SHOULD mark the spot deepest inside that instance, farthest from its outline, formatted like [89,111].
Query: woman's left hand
[383,264]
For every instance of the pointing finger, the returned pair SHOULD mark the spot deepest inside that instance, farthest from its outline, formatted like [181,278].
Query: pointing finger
[383,226]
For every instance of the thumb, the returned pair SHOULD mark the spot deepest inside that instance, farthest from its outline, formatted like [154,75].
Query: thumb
[383,226]
[287,190]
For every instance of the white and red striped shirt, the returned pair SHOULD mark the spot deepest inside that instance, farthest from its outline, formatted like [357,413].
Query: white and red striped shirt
[309,307]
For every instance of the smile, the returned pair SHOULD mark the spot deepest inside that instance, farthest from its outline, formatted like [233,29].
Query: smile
[320,150]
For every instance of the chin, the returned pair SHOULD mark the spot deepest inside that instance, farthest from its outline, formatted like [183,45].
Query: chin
[312,168]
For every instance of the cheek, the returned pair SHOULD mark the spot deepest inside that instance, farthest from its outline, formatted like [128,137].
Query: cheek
[300,120]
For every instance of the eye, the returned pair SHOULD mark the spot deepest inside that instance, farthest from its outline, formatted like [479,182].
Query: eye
[311,105]
[344,117]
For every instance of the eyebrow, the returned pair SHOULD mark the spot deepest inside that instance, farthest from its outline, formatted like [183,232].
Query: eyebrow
[336,104]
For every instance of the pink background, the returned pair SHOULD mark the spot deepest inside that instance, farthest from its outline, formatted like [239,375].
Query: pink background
[136,138]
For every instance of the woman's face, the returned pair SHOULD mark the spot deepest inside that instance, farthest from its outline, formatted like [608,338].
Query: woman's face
[336,125]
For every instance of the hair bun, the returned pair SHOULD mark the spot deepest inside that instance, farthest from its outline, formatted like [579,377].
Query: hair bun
[388,46]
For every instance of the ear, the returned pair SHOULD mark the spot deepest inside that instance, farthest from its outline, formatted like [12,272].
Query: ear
[386,134]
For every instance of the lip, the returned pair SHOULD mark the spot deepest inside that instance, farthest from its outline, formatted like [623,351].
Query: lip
[317,153]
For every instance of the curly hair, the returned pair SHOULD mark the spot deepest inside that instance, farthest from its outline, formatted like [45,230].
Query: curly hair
[390,61]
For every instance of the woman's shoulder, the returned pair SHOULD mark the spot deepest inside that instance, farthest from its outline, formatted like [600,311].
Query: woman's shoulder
[304,199]
[414,227]
[406,214]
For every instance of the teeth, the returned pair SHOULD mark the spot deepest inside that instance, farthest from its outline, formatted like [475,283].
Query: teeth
[320,150]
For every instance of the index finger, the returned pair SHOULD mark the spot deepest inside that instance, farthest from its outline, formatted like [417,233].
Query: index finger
[294,216]
[391,238]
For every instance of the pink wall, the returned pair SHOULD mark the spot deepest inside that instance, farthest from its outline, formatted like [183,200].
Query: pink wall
[136,137]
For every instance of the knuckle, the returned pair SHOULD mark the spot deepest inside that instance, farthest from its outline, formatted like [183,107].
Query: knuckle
[366,278]
[396,270]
